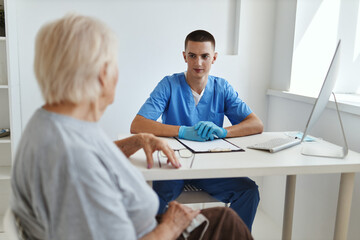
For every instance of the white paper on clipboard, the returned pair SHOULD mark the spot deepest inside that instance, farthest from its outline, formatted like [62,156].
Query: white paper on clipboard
[217,145]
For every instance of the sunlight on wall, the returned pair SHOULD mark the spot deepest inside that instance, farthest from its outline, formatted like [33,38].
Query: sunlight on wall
[313,53]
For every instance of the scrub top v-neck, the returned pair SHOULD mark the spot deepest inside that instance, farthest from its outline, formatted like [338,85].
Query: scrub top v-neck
[172,99]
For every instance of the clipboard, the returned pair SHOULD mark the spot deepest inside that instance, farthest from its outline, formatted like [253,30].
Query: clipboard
[216,146]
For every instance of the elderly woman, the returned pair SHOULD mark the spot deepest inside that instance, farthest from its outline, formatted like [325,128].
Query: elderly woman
[69,180]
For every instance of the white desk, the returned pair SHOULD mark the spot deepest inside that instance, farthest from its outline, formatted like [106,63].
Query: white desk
[288,162]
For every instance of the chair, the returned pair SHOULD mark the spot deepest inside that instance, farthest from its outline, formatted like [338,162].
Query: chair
[10,226]
[192,194]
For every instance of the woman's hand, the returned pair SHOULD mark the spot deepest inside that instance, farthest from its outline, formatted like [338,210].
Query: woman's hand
[150,144]
[177,218]
[173,222]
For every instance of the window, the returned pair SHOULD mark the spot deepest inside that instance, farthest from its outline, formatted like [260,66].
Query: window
[319,25]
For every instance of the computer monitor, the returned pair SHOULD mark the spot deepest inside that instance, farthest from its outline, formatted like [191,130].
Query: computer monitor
[319,106]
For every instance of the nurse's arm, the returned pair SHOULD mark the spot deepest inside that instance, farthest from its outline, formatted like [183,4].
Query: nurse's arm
[250,125]
[141,124]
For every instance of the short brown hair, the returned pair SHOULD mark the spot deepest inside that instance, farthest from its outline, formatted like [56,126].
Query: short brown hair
[200,36]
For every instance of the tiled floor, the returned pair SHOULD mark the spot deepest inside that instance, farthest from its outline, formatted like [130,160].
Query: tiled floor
[2,235]
[264,228]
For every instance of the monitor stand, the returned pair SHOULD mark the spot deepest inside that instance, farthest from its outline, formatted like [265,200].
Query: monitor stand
[323,149]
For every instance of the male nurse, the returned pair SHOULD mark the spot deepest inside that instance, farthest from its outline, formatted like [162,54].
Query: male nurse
[192,105]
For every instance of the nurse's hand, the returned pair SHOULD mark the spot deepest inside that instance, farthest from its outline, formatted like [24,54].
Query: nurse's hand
[208,130]
[189,133]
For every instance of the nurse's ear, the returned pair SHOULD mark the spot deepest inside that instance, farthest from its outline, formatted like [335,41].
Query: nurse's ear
[214,58]
[184,55]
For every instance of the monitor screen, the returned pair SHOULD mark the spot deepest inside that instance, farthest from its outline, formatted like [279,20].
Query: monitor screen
[325,91]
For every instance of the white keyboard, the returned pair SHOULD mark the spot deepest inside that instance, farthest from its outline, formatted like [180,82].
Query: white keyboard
[276,144]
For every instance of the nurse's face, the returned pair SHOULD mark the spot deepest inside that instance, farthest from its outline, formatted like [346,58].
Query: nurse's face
[199,56]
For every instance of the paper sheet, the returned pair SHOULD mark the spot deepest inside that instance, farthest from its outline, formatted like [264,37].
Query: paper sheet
[217,145]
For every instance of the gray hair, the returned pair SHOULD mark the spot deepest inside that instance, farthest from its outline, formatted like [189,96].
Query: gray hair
[69,54]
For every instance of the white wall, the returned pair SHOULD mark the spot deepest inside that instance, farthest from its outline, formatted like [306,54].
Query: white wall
[151,36]
[283,44]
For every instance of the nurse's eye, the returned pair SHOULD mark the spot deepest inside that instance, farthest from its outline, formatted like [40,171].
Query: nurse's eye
[205,56]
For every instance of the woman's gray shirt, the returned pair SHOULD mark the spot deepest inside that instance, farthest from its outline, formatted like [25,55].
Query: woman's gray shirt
[70,181]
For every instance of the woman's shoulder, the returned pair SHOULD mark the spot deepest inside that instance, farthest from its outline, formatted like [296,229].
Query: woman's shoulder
[47,135]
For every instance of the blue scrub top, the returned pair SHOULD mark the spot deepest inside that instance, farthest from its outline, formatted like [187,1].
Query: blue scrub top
[172,98]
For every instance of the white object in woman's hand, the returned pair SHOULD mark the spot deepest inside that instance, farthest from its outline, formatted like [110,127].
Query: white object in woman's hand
[178,217]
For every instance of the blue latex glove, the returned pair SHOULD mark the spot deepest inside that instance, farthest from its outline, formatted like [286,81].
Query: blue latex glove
[189,133]
[208,130]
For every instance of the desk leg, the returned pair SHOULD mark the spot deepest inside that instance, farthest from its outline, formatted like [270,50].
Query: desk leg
[289,207]
[344,205]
